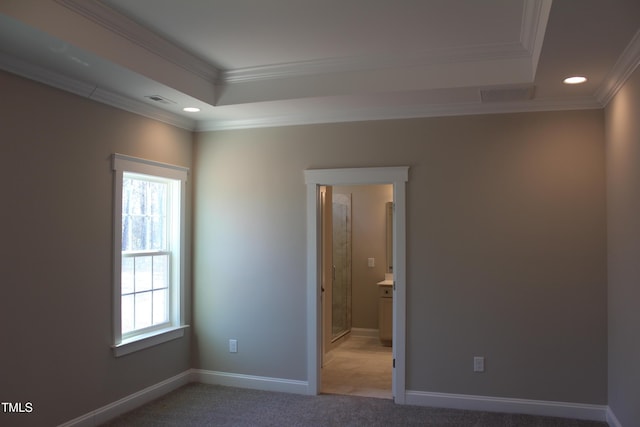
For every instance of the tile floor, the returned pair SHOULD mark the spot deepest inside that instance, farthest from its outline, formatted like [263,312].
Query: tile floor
[360,366]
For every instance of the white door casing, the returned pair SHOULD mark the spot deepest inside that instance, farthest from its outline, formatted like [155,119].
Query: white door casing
[314,178]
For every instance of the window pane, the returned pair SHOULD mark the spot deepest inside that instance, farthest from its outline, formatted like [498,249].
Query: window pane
[144,214]
[160,271]
[127,309]
[143,310]
[138,232]
[158,232]
[143,273]
[147,207]
[160,306]
[127,275]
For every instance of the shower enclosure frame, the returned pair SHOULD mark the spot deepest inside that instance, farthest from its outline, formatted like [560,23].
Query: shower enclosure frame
[346,271]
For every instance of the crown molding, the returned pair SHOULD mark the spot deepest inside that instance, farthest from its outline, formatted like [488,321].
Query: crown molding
[91,91]
[45,76]
[621,71]
[534,21]
[112,20]
[534,25]
[535,14]
[123,26]
[126,103]
[390,113]
[477,53]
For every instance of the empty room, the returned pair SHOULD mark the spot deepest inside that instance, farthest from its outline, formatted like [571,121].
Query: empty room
[241,212]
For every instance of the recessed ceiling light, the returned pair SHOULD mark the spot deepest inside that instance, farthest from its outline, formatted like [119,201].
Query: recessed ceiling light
[574,80]
[191,109]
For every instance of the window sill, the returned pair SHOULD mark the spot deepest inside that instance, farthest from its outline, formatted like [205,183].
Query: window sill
[148,340]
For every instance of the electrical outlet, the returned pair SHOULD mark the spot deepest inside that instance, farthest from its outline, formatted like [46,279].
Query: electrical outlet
[478,364]
[233,346]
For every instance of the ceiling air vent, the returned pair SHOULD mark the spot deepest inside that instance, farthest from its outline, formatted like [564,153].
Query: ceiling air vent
[160,99]
[508,94]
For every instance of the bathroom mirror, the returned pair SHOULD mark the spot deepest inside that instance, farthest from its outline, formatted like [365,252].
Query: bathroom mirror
[389,222]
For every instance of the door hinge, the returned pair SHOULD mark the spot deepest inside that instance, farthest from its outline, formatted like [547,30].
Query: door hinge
[394,363]
[394,285]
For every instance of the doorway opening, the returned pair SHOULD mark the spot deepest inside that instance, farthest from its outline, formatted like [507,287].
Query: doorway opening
[357,291]
[315,180]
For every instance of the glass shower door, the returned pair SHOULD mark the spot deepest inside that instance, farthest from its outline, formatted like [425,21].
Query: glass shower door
[341,293]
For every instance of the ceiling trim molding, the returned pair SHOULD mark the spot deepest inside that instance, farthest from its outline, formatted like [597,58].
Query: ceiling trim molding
[91,91]
[45,76]
[535,14]
[123,26]
[626,64]
[477,53]
[534,26]
[534,21]
[126,103]
[424,111]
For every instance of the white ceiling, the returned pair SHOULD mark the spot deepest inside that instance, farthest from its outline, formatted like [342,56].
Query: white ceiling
[250,63]
[235,34]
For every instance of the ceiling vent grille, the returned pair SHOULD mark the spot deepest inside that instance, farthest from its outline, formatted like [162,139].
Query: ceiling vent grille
[507,94]
[160,99]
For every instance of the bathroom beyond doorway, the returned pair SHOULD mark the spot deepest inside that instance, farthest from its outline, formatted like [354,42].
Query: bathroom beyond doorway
[360,366]
[356,258]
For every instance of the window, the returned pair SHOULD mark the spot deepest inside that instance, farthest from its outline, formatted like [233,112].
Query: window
[149,211]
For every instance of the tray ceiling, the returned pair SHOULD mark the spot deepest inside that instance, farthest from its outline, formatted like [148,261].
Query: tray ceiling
[248,63]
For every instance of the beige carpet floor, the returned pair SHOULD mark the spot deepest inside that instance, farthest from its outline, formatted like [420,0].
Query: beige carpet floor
[360,366]
[210,405]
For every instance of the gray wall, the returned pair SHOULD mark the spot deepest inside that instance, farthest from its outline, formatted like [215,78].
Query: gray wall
[368,241]
[56,260]
[506,248]
[623,221]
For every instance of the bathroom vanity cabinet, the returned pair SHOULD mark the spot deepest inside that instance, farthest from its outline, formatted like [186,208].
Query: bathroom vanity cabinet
[385,311]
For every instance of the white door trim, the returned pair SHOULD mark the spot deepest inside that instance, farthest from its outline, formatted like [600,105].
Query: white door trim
[314,178]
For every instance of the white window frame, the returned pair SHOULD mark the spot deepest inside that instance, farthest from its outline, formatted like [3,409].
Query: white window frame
[148,337]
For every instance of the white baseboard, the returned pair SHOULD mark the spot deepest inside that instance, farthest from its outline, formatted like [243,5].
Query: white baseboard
[249,381]
[509,405]
[364,332]
[128,403]
[442,400]
[611,418]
